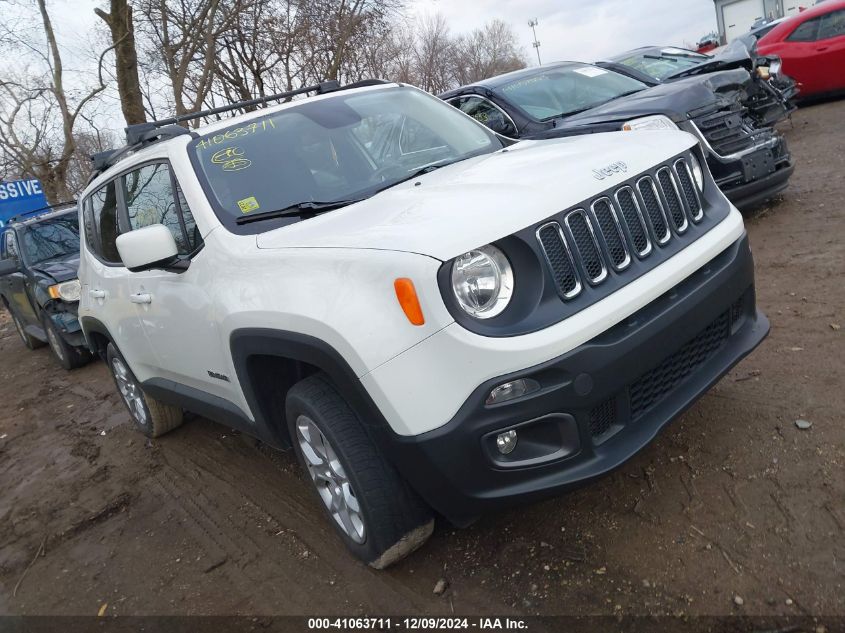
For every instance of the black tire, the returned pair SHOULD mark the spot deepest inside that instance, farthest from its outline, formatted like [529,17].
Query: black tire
[395,520]
[150,417]
[30,341]
[69,357]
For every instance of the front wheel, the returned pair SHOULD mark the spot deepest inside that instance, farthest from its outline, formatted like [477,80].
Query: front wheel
[30,341]
[151,417]
[377,515]
[68,356]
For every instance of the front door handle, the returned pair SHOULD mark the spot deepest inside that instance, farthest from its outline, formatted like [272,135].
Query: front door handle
[141,297]
[97,294]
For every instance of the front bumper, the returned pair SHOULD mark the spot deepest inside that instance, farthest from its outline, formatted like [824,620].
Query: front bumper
[753,175]
[599,404]
[751,194]
[67,323]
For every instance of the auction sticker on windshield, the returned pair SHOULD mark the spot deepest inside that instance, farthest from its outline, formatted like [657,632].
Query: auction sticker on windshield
[590,71]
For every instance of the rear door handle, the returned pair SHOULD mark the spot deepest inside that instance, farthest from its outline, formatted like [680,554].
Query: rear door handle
[141,297]
[97,294]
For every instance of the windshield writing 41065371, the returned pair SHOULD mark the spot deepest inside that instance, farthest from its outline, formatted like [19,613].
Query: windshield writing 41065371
[235,133]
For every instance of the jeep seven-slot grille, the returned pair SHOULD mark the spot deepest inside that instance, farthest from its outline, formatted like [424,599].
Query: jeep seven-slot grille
[633,220]
[693,203]
[559,259]
[608,225]
[673,200]
[653,209]
[586,245]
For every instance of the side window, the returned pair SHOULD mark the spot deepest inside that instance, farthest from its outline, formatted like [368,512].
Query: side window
[485,112]
[150,199]
[832,25]
[191,230]
[89,227]
[104,219]
[12,247]
[806,31]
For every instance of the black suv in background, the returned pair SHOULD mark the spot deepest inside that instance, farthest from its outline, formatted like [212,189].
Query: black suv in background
[39,258]
[750,162]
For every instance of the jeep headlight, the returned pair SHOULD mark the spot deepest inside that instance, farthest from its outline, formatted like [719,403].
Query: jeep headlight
[775,67]
[654,122]
[66,291]
[697,172]
[482,281]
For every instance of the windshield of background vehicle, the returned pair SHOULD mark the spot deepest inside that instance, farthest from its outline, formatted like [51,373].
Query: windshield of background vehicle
[664,63]
[566,90]
[345,147]
[53,238]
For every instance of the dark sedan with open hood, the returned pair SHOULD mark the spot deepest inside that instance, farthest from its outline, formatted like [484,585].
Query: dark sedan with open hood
[750,162]
[769,95]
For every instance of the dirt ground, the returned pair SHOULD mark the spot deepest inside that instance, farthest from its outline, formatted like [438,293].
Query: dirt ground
[733,500]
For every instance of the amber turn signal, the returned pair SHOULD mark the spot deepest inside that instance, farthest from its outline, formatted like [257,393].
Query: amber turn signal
[407,296]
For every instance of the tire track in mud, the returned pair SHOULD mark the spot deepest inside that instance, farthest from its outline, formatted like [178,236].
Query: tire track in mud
[255,521]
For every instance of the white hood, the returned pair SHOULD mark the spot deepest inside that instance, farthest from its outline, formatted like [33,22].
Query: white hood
[480,200]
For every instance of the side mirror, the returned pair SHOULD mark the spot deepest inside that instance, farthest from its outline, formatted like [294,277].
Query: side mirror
[8,266]
[147,248]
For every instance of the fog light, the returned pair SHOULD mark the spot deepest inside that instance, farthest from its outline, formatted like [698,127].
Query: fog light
[506,442]
[511,390]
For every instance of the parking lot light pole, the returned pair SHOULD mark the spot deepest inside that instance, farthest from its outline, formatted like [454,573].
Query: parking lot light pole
[533,24]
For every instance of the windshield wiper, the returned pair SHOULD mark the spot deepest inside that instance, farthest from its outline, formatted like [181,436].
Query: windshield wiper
[299,208]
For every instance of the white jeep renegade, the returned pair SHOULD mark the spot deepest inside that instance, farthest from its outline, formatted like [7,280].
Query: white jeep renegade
[435,320]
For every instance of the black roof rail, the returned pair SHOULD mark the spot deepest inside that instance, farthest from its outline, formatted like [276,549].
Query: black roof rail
[140,134]
[320,88]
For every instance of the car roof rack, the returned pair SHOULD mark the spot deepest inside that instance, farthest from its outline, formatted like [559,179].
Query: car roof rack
[141,134]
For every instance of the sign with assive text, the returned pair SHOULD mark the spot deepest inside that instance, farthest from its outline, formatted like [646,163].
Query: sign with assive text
[20,196]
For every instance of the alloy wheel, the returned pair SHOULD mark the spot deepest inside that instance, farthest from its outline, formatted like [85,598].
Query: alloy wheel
[131,392]
[330,479]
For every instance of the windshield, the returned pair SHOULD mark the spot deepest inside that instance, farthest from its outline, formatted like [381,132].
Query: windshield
[662,64]
[343,148]
[53,238]
[567,90]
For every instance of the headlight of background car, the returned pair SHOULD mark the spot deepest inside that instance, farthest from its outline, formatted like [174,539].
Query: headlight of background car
[66,291]
[654,122]
[482,281]
[697,172]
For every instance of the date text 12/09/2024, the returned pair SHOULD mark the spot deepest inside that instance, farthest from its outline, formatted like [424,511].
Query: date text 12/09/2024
[417,623]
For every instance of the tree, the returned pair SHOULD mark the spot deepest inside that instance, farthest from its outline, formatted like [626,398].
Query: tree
[38,135]
[119,21]
[434,53]
[182,46]
[487,52]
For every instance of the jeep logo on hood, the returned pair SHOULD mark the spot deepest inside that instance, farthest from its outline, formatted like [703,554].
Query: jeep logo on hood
[614,168]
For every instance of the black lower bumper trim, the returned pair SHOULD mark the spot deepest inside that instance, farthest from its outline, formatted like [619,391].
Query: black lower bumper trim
[749,195]
[598,404]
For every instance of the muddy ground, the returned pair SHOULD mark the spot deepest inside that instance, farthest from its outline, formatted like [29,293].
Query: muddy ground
[733,500]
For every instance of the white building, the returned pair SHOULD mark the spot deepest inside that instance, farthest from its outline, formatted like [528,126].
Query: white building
[736,17]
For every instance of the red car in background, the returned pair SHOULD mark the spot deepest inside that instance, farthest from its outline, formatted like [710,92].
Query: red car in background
[812,48]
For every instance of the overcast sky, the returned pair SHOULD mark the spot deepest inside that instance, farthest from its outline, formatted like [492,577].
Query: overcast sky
[583,30]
